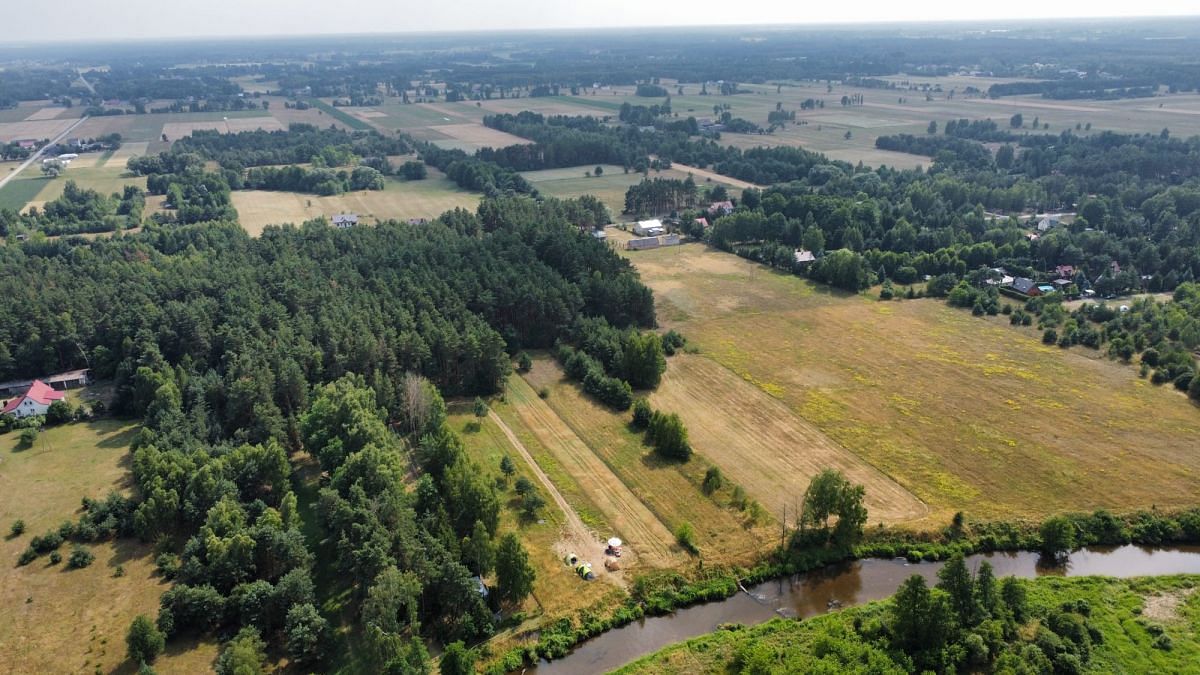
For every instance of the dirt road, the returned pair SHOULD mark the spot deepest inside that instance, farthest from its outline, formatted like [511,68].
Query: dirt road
[576,537]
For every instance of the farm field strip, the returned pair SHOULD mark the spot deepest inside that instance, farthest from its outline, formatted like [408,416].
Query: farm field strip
[624,511]
[669,490]
[765,447]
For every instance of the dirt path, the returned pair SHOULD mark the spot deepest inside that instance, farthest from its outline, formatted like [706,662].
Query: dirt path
[577,538]
[716,177]
[642,531]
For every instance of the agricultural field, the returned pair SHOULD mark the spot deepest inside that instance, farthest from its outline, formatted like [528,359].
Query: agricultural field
[609,187]
[824,129]
[551,535]
[652,496]
[57,620]
[953,408]
[400,200]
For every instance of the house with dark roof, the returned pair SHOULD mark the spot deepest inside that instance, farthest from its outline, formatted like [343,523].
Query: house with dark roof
[717,209]
[1026,286]
[35,401]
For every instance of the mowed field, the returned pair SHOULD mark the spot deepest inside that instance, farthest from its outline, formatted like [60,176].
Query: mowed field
[400,200]
[55,620]
[965,413]
[644,497]
[610,187]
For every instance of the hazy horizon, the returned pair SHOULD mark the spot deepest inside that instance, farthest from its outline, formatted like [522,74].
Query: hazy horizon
[145,19]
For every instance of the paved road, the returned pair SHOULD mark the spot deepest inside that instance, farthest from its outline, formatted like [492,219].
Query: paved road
[34,157]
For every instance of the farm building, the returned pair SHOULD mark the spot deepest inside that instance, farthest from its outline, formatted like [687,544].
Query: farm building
[345,220]
[805,258]
[71,379]
[35,401]
[600,235]
[703,223]
[648,228]
[643,243]
[670,240]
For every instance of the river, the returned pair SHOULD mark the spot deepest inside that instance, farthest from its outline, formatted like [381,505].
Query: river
[849,584]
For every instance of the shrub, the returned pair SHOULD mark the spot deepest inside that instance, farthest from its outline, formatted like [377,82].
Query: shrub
[59,412]
[668,436]
[17,529]
[27,556]
[641,413]
[524,486]
[80,558]
[544,392]
[47,542]
[524,362]
[713,480]
[28,437]
[55,557]
[685,534]
[531,502]
[144,642]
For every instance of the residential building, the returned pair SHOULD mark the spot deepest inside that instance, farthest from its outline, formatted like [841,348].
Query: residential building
[648,228]
[35,401]
[343,221]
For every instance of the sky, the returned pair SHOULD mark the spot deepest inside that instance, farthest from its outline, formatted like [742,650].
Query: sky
[121,19]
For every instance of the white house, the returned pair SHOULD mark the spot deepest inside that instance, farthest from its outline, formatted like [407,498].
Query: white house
[648,228]
[35,401]
[343,221]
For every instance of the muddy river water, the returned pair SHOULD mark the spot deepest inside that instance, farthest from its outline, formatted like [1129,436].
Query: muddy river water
[846,585]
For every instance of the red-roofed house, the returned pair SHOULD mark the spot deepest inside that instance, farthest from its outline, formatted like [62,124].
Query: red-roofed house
[35,401]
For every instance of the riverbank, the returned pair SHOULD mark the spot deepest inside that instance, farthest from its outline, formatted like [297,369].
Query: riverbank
[1138,625]
[660,594]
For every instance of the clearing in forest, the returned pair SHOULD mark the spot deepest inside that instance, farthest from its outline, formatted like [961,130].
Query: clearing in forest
[665,492]
[621,508]
[54,619]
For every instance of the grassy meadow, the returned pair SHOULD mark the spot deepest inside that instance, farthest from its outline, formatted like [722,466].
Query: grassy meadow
[53,619]
[965,413]
[664,494]
[399,200]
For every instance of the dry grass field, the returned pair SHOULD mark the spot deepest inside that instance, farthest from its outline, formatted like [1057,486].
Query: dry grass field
[106,179]
[621,511]
[232,125]
[762,445]
[55,620]
[48,114]
[33,129]
[558,590]
[400,200]
[654,493]
[965,413]
[610,187]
